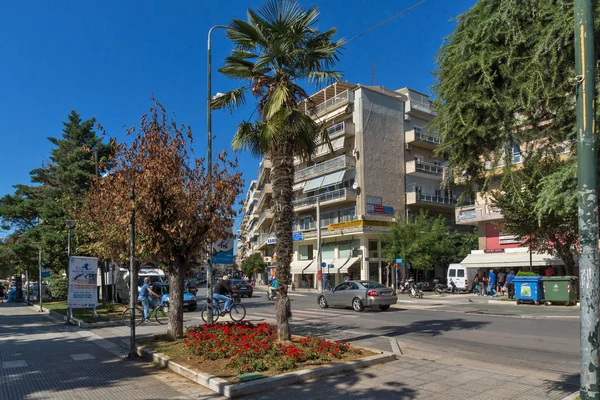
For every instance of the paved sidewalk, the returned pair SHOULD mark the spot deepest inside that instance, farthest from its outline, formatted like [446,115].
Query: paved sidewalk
[42,358]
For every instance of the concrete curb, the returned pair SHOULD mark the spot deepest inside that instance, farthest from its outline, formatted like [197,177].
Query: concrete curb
[572,396]
[78,322]
[234,390]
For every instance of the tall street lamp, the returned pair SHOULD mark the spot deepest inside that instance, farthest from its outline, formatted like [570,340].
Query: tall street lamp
[70,226]
[209,163]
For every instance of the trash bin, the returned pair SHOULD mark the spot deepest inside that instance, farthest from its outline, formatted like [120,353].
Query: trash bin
[529,289]
[560,289]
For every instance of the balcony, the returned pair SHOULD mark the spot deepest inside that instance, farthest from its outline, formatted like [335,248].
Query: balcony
[340,162]
[424,170]
[323,150]
[265,217]
[344,128]
[264,166]
[331,104]
[473,214]
[265,192]
[335,196]
[420,138]
[418,104]
[425,199]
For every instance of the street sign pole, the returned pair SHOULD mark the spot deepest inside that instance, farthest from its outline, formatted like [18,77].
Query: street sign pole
[40,291]
[587,203]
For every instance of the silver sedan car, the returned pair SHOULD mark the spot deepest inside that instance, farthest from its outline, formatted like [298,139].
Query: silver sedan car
[358,295]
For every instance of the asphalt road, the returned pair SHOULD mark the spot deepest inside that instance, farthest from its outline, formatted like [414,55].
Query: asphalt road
[540,341]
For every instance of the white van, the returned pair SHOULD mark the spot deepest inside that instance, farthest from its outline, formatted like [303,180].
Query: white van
[461,276]
[156,276]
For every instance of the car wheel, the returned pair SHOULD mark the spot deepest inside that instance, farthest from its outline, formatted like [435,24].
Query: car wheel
[192,308]
[384,308]
[357,304]
[323,302]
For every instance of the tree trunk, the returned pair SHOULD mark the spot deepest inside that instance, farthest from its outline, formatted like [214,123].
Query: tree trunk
[175,328]
[283,181]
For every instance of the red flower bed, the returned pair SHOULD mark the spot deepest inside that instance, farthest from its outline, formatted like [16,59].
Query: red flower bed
[253,347]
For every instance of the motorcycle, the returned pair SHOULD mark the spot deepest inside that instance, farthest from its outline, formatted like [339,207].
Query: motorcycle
[415,290]
[442,289]
[404,286]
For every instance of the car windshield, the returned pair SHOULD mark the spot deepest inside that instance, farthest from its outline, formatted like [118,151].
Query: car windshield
[372,285]
[153,280]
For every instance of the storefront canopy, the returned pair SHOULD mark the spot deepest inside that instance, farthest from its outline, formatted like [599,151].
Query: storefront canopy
[296,267]
[479,259]
[346,264]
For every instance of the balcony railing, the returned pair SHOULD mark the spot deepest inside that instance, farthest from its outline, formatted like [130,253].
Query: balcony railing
[333,195]
[335,163]
[428,167]
[421,136]
[331,102]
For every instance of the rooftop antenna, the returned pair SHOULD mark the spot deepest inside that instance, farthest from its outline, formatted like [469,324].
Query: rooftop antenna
[373,73]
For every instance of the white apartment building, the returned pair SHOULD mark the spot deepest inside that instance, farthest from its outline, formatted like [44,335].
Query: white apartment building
[382,165]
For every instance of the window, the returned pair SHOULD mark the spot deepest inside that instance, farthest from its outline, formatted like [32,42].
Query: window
[516,153]
[452,273]
[305,223]
[347,214]
[373,250]
[305,252]
[460,273]
[328,251]
[372,285]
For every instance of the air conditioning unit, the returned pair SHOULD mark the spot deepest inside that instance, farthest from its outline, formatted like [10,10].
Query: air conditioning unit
[408,146]
[406,117]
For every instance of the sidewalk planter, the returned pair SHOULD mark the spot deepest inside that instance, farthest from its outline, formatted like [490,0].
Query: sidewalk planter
[529,289]
[560,289]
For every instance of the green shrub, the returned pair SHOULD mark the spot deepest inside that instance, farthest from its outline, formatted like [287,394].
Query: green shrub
[58,287]
[527,273]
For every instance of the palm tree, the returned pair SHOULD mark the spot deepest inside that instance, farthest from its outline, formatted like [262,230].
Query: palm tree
[277,48]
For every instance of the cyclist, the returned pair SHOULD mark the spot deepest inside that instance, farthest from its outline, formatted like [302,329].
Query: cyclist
[146,294]
[221,290]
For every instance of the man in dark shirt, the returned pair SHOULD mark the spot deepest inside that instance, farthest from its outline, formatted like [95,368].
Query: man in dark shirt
[221,289]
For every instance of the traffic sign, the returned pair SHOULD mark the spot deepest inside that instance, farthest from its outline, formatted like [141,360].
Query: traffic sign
[398,260]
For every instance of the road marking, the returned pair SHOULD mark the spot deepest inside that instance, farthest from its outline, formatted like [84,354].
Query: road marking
[82,356]
[296,294]
[14,364]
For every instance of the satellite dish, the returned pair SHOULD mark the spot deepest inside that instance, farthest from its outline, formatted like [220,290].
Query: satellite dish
[355,185]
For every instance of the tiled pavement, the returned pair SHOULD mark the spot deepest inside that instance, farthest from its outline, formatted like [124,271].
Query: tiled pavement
[44,359]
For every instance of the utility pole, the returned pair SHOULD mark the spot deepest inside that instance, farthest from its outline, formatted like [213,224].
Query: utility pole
[132,280]
[102,280]
[319,260]
[40,291]
[587,203]
[209,303]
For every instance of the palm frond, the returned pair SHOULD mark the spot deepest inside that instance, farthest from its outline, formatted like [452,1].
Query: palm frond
[247,138]
[278,97]
[244,34]
[232,99]
[237,68]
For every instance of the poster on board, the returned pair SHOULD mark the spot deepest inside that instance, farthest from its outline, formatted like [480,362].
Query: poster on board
[83,273]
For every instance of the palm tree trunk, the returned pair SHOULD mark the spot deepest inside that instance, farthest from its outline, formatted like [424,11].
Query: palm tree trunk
[283,181]
[175,327]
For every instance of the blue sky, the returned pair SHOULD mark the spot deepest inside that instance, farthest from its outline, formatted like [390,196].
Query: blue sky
[106,58]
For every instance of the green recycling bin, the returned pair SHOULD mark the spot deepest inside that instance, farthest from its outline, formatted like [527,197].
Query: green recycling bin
[560,289]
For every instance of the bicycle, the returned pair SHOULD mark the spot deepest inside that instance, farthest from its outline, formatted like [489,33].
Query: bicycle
[236,311]
[158,310]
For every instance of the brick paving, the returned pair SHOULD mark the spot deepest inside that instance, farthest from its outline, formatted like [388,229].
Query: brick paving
[41,358]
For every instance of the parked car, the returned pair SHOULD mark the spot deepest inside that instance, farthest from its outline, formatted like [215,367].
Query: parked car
[189,300]
[192,286]
[358,295]
[241,287]
[202,280]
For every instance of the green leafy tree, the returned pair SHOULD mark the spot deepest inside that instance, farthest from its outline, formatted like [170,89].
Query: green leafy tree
[275,50]
[425,241]
[504,78]
[37,212]
[254,265]
[537,205]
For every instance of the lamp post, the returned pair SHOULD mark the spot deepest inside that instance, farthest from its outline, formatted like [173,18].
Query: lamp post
[209,162]
[70,226]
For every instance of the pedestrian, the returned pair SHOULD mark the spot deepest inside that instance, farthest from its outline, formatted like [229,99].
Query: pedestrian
[501,280]
[346,278]
[1,293]
[510,285]
[549,271]
[476,285]
[492,283]
[482,282]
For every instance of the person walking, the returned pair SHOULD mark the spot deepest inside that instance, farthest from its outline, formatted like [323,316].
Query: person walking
[501,280]
[476,285]
[510,286]
[482,282]
[492,283]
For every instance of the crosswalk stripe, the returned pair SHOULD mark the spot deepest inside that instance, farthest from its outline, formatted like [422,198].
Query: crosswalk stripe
[302,314]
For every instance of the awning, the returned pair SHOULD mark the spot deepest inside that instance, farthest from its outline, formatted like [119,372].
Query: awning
[313,184]
[336,113]
[296,267]
[298,186]
[347,263]
[507,260]
[333,178]
[350,174]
